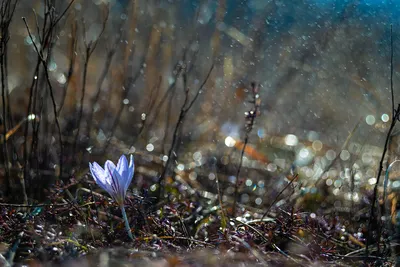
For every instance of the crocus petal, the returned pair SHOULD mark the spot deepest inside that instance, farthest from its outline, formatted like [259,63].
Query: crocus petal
[110,164]
[122,167]
[115,177]
[100,176]
[125,171]
[131,170]
[131,165]
[120,190]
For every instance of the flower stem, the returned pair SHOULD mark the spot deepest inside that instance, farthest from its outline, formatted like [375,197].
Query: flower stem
[127,227]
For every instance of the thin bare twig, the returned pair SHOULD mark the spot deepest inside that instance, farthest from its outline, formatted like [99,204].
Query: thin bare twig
[395,117]
[6,12]
[63,13]
[154,91]
[172,154]
[375,192]
[129,84]
[391,69]
[72,57]
[100,82]
[121,108]
[294,178]
[250,120]
[89,49]
[50,87]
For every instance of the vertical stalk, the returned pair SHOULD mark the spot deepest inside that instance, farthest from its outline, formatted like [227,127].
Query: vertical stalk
[127,227]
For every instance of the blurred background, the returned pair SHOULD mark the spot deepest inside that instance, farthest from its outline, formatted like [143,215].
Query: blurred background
[114,76]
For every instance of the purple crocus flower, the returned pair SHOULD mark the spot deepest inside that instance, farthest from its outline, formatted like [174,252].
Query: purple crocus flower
[115,180]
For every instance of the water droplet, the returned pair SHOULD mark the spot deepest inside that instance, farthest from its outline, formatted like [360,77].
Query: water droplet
[28,40]
[344,155]
[370,120]
[180,167]
[52,66]
[304,153]
[396,184]
[153,187]
[211,176]
[271,167]
[330,154]
[372,181]
[385,117]
[61,79]
[101,137]
[249,182]
[312,136]
[197,155]
[337,183]
[193,176]
[232,179]
[291,140]
[150,147]
[244,198]
[229,141]
[317,145]
[31,117]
